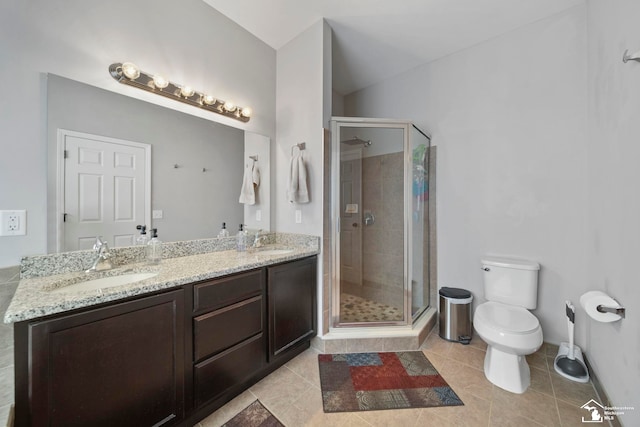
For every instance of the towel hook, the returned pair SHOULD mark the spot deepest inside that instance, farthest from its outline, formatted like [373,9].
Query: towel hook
[630,57]
[301,146]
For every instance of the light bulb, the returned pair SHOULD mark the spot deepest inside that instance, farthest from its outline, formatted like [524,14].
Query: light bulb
[208,99]
[160,82]
[130,70]
[246,112]
[187,91]
[229,106]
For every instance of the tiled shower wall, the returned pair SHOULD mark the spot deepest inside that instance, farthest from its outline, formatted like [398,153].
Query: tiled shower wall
[382,241]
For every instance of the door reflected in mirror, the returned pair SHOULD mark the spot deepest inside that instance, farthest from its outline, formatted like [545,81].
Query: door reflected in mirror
[194,173]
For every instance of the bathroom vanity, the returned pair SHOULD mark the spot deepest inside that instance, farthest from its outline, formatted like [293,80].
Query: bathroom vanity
[171,356]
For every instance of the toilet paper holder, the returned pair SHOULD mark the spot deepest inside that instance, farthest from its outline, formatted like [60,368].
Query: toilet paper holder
[615,310]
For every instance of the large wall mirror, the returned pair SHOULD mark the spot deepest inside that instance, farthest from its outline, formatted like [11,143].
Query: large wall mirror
[189,170]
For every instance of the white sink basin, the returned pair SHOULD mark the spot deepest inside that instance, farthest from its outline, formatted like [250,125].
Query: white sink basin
[275,251]
[105,282]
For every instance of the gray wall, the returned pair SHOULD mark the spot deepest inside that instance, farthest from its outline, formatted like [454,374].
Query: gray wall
[613,213]
[511,155]
[194,203]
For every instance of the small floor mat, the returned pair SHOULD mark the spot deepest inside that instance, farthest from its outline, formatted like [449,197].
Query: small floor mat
[254,415]
[374,381]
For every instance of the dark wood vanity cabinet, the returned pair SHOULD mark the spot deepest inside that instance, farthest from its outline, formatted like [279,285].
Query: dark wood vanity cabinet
[120,365]
[228,334]
[168,359]
[291,290]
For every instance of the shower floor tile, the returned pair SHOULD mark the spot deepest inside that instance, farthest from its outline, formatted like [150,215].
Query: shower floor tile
[357,309]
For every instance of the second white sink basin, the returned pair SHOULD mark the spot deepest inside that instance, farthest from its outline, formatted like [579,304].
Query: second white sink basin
[105,282]
[275,251]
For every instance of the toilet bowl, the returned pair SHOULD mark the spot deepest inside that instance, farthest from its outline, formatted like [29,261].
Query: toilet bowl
[511,333]
[505,323]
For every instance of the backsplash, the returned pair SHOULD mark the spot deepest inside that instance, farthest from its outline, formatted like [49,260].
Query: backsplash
[67,262]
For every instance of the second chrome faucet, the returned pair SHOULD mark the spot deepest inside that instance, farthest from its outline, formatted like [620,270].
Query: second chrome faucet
[102,260]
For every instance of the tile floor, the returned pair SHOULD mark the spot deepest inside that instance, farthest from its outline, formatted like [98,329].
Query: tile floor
[357,309]
[292,394]
[8,282]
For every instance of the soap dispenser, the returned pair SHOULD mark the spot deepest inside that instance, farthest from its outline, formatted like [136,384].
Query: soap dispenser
[142,239]
[224,232]
[154,248]
[241,243]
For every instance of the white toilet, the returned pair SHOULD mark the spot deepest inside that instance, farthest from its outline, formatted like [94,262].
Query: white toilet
[505,323]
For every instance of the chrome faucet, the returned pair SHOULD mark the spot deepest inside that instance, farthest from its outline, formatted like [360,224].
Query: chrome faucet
[258,240]
[101,262]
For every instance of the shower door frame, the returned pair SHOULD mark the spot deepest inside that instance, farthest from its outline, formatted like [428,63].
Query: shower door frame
[337,123]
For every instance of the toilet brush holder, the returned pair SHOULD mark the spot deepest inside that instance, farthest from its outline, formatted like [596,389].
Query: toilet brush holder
[569,362]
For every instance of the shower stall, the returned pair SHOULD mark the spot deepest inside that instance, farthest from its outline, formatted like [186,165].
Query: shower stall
[381,234]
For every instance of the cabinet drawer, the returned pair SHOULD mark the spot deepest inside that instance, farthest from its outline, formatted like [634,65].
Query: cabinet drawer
[226,327]
[227,290]
[219,373]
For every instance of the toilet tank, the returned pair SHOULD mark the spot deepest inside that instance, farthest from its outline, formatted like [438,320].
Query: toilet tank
[511,281]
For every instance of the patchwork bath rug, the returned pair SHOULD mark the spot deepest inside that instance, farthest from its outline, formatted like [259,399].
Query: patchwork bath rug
[254,415]
[374,381]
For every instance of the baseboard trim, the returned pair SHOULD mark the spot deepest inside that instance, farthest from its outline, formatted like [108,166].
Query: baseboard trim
[600,391]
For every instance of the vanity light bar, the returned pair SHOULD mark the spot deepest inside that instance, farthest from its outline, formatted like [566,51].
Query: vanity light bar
[129,74]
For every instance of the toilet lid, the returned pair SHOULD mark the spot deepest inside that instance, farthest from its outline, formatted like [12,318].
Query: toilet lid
[507,318]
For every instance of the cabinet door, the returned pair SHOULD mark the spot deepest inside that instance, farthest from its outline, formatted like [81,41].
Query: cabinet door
[121,365]
[291,293]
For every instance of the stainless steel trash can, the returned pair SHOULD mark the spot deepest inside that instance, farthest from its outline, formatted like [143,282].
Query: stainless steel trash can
[455,314]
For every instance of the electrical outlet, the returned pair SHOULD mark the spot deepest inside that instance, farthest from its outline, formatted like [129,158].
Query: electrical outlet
[298,216]
[157,214]
[258,215]
[13,223]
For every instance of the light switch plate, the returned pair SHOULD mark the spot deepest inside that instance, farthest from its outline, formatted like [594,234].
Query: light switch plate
[298,216]
[157,214]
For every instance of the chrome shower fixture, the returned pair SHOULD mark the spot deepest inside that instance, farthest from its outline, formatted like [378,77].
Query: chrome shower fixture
[356,141]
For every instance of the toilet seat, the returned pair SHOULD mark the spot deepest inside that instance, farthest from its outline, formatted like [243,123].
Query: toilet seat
[506,318]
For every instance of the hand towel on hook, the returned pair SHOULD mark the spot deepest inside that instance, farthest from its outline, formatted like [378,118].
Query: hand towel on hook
[297,191]
[250,179]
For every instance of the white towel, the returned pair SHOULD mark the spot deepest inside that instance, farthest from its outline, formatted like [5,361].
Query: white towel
[250,181]
[297,191]
[256,174]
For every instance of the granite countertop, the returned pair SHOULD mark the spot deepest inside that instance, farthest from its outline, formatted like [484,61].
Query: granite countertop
[34,297]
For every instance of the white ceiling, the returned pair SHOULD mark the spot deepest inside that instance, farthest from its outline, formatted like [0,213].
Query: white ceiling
[377,39]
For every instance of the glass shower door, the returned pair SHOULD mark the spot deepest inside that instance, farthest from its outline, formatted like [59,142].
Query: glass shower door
[370,202]
[381,232]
